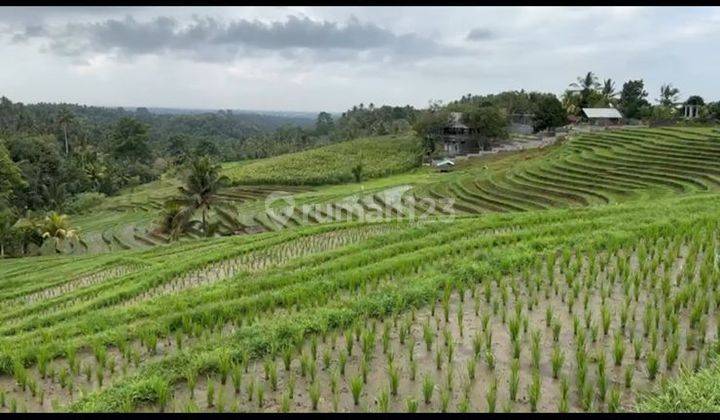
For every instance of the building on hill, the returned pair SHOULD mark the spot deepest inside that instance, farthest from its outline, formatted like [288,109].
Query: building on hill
[457,137]
[691,107]
[690,111]
[602,116]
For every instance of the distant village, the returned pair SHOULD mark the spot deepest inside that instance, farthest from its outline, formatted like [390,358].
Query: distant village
[587,105]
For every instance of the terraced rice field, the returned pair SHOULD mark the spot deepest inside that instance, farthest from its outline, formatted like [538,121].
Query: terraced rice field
[589,169]
[583,277]
[597,168]
[130,220]
[474,312]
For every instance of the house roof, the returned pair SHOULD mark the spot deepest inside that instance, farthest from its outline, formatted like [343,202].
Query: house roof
[602,113]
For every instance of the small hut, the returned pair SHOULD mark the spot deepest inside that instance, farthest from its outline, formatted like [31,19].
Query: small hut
[445,165]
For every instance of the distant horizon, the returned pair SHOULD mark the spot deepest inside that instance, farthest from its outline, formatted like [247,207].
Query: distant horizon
[179,108]
[193,108]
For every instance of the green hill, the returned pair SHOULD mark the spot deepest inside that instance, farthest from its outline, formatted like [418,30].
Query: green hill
[380,156]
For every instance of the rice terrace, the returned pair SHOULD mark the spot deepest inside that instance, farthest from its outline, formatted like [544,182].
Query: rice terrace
[519,251]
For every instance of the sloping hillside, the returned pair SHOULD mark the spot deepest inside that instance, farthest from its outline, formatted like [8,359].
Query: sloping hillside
[333,164]
[598,168]
[590,169]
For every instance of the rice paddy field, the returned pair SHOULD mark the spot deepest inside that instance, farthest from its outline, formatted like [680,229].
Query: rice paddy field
[581,277]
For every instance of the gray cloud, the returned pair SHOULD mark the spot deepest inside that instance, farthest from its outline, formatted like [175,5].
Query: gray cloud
[333,57]
[480,34]
[30,31]
[209,39]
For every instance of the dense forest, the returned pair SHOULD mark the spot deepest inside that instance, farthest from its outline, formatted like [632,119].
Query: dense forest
[63,156]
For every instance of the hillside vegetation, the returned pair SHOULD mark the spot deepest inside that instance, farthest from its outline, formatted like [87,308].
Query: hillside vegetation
[590,169]
[380,156]
[537,296]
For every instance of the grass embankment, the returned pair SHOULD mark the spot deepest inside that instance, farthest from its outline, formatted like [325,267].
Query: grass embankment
[380,156]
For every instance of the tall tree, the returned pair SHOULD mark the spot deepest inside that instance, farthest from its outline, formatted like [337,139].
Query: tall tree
[550,113]
[28,232]
[669,95]
[130,140]
[632,99]
[7,231]
[10,176]
[428,127]
[324,124]
[488,124]
[200,193]
[178,148]
[587,84]
[608,93]
[207,147]
[65,118]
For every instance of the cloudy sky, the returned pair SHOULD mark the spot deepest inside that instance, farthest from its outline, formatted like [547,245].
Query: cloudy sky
[329,58]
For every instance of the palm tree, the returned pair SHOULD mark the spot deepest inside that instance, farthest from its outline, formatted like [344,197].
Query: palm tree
[57,227]
[173,222]
[669,95]
[608,92]
[587,85]
[587,82]
[200,192]
[64,118]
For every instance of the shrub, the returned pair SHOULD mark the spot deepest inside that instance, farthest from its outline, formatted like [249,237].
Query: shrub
[83,202]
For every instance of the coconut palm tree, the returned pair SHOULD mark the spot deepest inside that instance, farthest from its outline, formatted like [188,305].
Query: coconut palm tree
[669,95]
[64,119]
[587,85]
[57,227]
[587,82]
[608,93]
[173,222]
[200,193]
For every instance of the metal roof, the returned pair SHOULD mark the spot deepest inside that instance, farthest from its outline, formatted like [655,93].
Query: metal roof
[602,113]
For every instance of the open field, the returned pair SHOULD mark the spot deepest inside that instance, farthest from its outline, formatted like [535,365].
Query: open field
[136,330]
